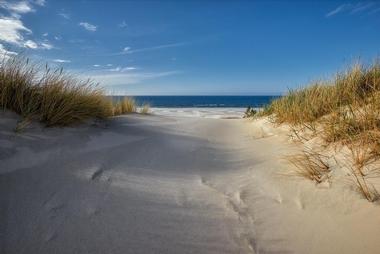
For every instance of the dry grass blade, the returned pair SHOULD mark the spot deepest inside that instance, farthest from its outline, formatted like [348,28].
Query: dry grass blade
[369,192]
[309,164]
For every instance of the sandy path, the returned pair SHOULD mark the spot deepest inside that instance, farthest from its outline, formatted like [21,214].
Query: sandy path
[157,184]
[140,185]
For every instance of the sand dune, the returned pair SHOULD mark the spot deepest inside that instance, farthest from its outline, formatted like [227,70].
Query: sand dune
[160,184]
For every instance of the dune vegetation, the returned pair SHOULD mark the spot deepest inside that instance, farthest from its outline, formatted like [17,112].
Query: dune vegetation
[52,96]
[342,112]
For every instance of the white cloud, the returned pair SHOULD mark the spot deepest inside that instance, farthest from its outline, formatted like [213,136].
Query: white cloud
[57,38]
[109,65]
[123,24]
[61,61]
[96,65]
[17,8]
[46,45]
[11,29]
[129,68]
[126,49]
[88,26]
[34,45]
[30,44]
[4,53]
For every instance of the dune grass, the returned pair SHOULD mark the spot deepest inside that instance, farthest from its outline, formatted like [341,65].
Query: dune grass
[145,109]
[343,111]
[124,106]
[311,165]
[52,96]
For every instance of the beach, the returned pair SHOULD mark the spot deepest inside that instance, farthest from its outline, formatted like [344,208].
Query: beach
[165,184]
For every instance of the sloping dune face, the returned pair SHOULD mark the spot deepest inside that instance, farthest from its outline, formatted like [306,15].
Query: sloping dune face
[138,185]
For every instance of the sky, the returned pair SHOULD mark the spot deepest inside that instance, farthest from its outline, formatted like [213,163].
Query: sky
[193,47]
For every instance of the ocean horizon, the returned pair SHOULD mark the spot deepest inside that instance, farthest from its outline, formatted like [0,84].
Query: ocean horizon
[199,101]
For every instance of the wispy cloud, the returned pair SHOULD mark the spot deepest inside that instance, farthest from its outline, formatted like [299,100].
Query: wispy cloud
[64,15]
[122,69]
[40,2]
[61,61]
[129,50]
[17,8]
[123,24]
[88,26]
[352,8]
[46,45]
[337,10]
[361,7]
[38,45]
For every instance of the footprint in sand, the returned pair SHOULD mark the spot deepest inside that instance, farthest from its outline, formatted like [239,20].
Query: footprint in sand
[299,203]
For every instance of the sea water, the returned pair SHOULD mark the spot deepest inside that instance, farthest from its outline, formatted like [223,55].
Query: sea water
[202,106]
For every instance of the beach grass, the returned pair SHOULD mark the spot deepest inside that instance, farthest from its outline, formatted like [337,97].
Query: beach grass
[145,109]
[52,96]
[344,111]
[124,106]
[311,165]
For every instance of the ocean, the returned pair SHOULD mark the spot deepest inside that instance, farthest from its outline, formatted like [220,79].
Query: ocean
[203,101]
[202,106]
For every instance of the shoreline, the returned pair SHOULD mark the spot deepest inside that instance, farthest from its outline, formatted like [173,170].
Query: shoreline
[202,112]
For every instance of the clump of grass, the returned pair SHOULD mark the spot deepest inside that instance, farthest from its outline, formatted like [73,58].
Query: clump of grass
[124,106]
[342,111]
[310,164]
[49,96]
[250,112]
[145,109]
[347,92]
[367,191]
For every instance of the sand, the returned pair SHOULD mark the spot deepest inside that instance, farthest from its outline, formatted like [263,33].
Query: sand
[170,184]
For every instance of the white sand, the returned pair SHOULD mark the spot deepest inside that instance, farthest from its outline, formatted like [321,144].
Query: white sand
[160,184]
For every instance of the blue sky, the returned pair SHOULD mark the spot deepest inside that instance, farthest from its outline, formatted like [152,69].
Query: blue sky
[193,47]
